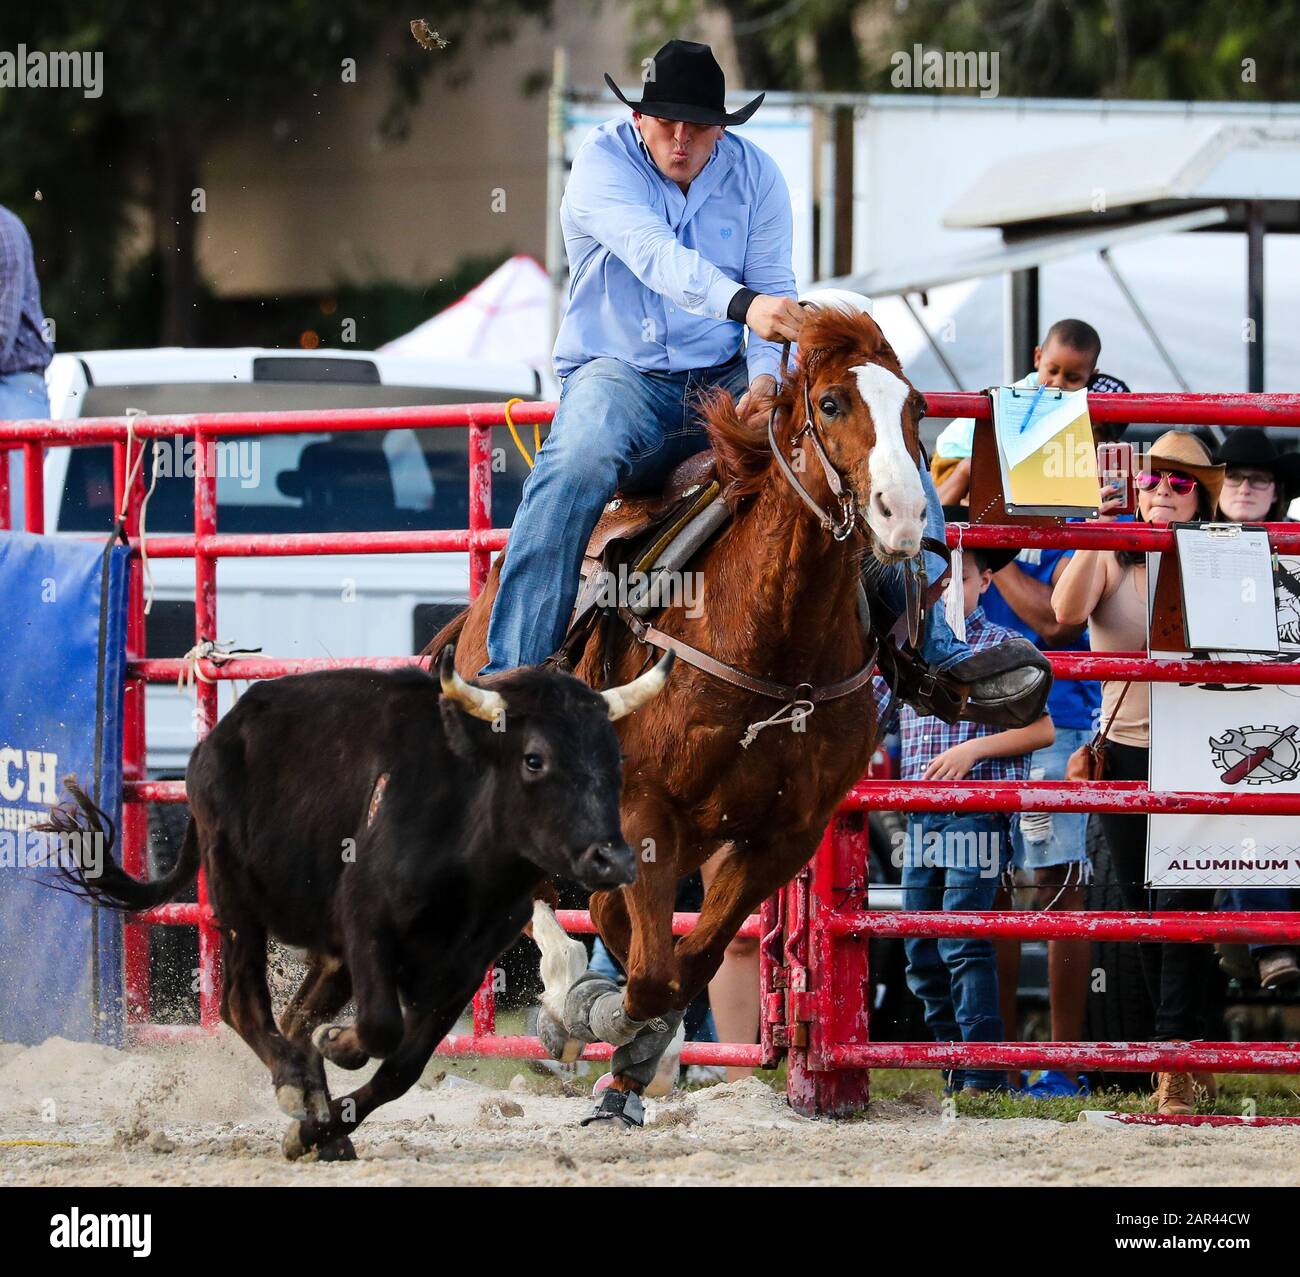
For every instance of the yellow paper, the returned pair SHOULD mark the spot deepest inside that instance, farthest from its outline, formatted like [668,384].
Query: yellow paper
[1062,472]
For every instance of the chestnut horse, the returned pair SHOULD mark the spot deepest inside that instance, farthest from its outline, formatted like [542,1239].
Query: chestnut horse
[780,603]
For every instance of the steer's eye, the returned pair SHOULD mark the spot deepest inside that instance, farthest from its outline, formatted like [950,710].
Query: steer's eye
[829,408]
[534,762]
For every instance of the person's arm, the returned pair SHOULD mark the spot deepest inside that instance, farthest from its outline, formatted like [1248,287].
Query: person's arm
[958,761]
[956,484]
[608,199]
[1089,576]
[1031,601]
[11,284]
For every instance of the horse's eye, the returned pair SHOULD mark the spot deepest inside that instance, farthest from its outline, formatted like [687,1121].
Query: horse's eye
[828,406]
[534,762]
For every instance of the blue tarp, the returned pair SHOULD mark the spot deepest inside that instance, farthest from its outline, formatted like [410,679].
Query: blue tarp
[62,671]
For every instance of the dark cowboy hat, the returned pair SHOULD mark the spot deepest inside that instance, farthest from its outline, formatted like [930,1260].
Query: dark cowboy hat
[996,559]
[1253,449]
[683,81]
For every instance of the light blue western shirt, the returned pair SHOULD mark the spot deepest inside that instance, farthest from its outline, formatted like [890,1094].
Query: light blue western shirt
[652,271]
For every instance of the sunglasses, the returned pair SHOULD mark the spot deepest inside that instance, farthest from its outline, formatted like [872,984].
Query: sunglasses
[1179,484]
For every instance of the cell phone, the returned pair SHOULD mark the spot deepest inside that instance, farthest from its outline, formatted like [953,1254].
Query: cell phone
[1115,474]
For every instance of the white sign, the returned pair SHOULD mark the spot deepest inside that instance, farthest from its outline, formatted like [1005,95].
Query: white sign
[1231,739]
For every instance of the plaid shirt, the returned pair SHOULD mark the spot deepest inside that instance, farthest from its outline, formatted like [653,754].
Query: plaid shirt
[23,347]
[924,737]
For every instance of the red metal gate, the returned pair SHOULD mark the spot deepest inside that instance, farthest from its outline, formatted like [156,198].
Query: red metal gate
[813,935]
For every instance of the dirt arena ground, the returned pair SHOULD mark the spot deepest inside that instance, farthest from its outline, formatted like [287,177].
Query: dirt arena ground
[203,1114]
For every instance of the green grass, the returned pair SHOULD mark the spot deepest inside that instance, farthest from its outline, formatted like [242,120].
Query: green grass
[1272,1095]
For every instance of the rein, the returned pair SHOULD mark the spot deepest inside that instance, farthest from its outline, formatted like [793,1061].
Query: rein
[800,699]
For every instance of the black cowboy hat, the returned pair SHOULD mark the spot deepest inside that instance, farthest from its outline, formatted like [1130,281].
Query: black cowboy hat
[683,81]
[996,559]
[1254,449]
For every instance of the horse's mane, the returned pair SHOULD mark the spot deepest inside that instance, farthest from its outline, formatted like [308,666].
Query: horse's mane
[830,335]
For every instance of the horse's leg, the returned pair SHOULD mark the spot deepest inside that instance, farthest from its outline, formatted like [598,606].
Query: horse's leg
[609,913]
[564,962]
[743,881]
[326,987]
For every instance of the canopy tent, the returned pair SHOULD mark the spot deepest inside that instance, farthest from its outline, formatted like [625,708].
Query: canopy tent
[505,319]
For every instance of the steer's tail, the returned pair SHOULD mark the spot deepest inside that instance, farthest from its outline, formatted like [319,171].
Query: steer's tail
[84,861]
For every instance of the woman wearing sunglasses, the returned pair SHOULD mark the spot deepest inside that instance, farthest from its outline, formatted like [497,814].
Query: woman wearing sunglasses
[1107,590]
[1259,485]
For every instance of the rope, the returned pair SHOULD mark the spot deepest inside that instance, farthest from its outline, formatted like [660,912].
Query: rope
[798,710]
[216,651]
[514,434]
[132,471]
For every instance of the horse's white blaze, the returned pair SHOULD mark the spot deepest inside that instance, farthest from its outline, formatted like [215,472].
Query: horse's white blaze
[896,512]
[564,959]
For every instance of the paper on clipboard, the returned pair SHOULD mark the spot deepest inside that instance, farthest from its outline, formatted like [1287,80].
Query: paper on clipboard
[1227,584]
[1046,450]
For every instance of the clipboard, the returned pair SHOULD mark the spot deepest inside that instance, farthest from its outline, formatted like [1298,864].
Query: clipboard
[987,503]
[1169,628]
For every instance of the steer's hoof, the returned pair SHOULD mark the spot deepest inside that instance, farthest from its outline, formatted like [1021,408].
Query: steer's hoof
[319,1104]
[621,1108]
[292,1144]
[555,1038]
[292,1101]
[337,1043]
[338,1150]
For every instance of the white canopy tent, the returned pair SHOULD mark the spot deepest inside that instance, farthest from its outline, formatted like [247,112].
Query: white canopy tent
[505,319]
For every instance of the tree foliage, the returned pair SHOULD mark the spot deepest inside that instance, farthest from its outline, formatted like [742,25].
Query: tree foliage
[119,168]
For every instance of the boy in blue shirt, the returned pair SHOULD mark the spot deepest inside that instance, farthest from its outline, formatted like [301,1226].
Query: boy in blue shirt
[954,860]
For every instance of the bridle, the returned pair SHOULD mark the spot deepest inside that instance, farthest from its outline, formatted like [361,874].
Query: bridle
[840,528]
[799,700]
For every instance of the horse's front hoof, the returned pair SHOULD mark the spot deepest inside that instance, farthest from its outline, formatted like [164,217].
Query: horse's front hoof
[619,1109]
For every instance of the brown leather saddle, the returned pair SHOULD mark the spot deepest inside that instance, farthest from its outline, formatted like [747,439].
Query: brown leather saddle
[638,538]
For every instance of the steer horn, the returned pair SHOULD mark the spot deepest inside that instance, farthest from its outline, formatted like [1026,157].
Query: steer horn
[631,696]
[473,700]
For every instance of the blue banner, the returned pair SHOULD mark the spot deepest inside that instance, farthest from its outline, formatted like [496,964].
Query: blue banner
[62,672]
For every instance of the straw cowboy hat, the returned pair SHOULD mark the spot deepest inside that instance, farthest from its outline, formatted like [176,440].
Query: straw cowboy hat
[1254,450]
[684,82]
[1179,450]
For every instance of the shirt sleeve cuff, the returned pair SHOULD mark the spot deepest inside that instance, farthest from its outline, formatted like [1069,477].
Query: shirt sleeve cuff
[720,296]
[740,305]
[763,359]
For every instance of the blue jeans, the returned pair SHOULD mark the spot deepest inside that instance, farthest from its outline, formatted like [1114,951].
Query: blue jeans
[1062,836]
[953,862]
[1260,900]
[22,398]
[620,428]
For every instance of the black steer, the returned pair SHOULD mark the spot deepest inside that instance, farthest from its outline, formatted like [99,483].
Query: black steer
[397,830]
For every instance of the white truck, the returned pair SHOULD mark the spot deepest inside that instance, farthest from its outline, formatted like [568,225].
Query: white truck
[331,605]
